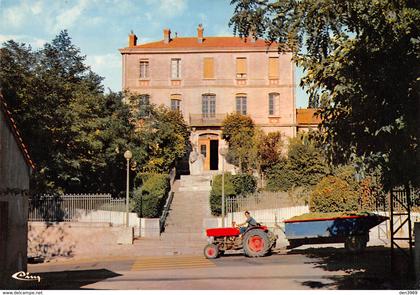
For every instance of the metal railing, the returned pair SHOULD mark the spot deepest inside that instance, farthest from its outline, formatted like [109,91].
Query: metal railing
[207,119]
[266,207]
[399,200]
[165,213]
[75,208]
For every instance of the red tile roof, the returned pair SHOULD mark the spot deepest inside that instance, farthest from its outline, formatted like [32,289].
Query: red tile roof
[307,117]
[12,124]
[208,42]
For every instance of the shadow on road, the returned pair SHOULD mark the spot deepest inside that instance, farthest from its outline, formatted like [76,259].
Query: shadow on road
[68,280]
[370,269]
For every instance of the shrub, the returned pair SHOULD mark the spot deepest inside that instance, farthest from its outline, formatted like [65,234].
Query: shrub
[240,184]
[239,132]
[305,165]
[333,194]
[150,198]
[244,184]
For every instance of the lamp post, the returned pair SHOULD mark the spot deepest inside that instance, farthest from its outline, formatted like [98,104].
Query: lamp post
[223,152]
[127,155]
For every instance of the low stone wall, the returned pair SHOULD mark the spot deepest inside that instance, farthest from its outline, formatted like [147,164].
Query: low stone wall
[68,239]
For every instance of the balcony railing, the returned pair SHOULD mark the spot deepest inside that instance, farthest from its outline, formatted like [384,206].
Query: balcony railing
[207,119]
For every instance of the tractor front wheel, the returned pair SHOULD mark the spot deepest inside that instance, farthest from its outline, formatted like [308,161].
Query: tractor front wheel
[256,243]
[211,251]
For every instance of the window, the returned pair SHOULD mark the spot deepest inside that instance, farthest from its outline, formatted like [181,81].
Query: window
[144,99]
[144,69]
[273,67]
[203,150]
[241,67]
[241,104]
[176,102]
[144,105]
[273,104]
[176,68]
[208,69]
[208,107]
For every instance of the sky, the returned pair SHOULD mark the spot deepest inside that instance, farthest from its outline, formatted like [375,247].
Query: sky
[100,27]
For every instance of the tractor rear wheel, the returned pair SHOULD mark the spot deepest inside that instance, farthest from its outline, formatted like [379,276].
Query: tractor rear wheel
[256,243]
[211,251]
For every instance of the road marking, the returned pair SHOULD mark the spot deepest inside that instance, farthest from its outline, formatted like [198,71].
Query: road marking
[78,261]
[171,262]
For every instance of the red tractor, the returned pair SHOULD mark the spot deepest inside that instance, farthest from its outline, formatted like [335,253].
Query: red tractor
[257,241]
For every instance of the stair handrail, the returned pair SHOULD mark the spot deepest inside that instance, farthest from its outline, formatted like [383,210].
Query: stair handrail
[162,219]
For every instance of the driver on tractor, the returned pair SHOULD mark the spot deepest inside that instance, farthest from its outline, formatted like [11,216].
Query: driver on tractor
[249,220]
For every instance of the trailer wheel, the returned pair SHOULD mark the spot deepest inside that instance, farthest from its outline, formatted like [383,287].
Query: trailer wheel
[355,244]
[256,243]
[211,251]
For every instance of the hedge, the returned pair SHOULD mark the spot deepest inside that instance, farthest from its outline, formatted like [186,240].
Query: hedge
[235,185]
[334,194]
[150,198]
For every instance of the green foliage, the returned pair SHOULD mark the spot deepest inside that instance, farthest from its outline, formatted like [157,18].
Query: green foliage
[269,150]
[150,198]
[239,132]
[235,185]
[333,194]
[304,166]
[164,136]
[74,131]
[244,184]
[361,61]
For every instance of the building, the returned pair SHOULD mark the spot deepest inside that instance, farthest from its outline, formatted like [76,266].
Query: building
[15,169]
[306,119]
[208,77]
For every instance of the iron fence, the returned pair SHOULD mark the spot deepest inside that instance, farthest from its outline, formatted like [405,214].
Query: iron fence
[75,207]
[399,200]
[267,208]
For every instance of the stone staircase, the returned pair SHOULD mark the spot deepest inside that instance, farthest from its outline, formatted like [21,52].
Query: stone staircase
[184,233]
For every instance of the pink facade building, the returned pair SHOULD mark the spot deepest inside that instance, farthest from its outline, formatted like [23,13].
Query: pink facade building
[208,77]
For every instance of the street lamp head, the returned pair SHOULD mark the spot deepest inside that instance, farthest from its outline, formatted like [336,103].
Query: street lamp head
[128,154]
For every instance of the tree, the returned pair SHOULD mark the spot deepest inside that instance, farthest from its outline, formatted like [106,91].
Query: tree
[239,132]
[163,135]
[361,61]
[304,166]
[75,133]
[270,147]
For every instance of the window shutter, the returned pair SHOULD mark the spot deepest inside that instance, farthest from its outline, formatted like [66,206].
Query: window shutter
[240,65]
[273,67]
[208,68]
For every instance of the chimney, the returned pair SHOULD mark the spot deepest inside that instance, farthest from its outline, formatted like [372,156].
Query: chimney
[200,31]
[166,36]
[252,35]
[132,40]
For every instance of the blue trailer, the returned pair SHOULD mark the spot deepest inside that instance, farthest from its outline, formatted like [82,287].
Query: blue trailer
[352,230]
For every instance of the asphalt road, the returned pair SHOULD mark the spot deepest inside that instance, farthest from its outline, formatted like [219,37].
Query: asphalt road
[326,268]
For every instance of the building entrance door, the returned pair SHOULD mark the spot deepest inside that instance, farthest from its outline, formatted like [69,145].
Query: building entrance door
[214,155]
[208,146]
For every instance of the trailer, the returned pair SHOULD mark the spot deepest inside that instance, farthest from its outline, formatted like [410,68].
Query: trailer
[352,230]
